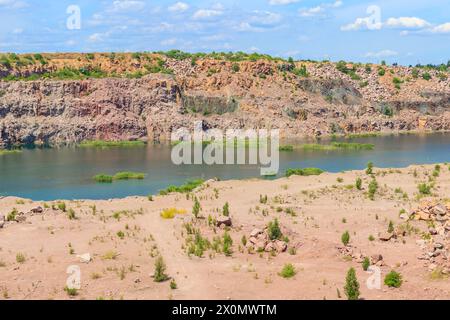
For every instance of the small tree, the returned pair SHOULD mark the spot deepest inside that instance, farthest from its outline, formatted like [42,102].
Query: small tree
[390,227]
[366,264]
[373,187]
[369,169]
[359,184]
[345,238]
[351,285]
[196,208]
[226,210]
[160,269]
[393,279]
[274,230]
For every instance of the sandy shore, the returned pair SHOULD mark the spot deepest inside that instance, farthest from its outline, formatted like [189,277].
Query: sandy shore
[124,237]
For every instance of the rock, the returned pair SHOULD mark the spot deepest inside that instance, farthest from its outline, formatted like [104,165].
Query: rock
[438,245]
[256,232]
[386,236]
[404,216]
[440,209]
[225,221]
[84,258]
[376,258]
[280,246]
[432,231]
[20,218]
[432,266]
[37,210]
[269,247]
[252,240]
[420,215]
[260,245]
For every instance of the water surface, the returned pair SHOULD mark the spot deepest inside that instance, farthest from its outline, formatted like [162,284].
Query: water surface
[66,173]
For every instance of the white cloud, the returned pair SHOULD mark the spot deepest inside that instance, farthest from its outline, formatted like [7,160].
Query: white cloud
[281,2]
[207,13]
[260,21]
[381,54]
[363,23]
[178,7]
[320,9]
[442,28]
[98,37]
[18,31]
[128,5]
[407,22]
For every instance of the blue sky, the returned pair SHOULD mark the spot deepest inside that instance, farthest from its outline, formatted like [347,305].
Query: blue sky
[403,31]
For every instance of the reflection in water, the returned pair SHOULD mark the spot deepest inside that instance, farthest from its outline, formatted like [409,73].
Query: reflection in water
[48,174]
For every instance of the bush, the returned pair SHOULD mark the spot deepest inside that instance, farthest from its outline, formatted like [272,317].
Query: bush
[62,206]
[12,215]
[160,269]
[226,210]
[227,244]
[235,67]
[393,279]
[71,214]
[173,285]
[288,271]
[351,285]
[426,76]
[381,72]
[196,208]
[369,169]
[20,257]
[345,238]
[358,183]
[171,213]
[424,189]
[366,264]
[390,227]
[71,291]
[288,148]
[274,230]
[373,187]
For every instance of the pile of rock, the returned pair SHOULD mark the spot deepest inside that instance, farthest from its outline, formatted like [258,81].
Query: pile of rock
[20,217]
[259,240]
[358,256]
[436,249]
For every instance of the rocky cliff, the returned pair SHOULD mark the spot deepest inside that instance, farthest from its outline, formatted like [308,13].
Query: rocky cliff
[68,98]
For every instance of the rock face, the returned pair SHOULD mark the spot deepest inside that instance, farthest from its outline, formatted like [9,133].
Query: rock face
[259,95]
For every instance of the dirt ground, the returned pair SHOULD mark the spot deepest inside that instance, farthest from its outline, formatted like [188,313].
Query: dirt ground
[124,238]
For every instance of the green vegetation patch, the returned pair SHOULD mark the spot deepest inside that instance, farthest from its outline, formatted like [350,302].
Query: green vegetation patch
[338,146]
[103,178]
[189,186]
[304,172]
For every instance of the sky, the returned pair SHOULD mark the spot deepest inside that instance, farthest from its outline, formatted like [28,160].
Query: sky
[402,31]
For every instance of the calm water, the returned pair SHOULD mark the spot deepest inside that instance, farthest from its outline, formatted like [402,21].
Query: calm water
[49,174]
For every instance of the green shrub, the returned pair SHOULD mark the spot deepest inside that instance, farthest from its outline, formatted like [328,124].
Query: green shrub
[345,238]
[71,291]
[393,279]
[160,269]
[424,189]
[369,169]
[390,227]
[227,244]
[358,183]
[103,178]
[366,264]
[235,67]
[12,215]
[189,186]
[426,76]
[373,187]
[62,206]
[71,214]
[351,285]
[287,148]
[196,208]
[381,72]
[173,285]
[20,258]
[226,210]
[288,271]
[274,230]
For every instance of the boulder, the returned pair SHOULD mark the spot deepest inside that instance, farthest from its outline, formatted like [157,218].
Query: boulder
[260,245]
[252,240]
[270,247]
[376,258]
[84,258]
[37,210]
[386,236]
[256,232]
[280,246]
[440,209]
[225,221]
[20,217]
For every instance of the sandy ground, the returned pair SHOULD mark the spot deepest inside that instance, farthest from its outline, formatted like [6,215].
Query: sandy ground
[321,208]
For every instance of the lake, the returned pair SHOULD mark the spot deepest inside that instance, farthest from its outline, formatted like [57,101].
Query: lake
[66,173]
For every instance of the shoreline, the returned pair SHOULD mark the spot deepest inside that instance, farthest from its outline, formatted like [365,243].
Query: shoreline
[124,237]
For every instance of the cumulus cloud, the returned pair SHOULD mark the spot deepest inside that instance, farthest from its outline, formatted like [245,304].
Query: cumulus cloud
[407,22]
[207,13]
[363,23]
[319,10]
[442,28]
[13,4]
[179,7]
[281,2]
[381,54]
[260,21]
[128,5]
